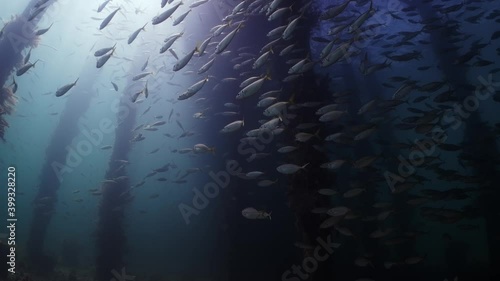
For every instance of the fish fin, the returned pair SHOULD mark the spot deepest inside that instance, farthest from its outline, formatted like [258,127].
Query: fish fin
[268,74]
[317,134]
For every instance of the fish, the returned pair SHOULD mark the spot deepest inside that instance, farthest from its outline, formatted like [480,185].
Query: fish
[35,13]
[134,35]
[204,68]
[254,174]
[202,148]
[203,46]
[327,191]
[41,32]
[136,95]
[145,65]
[252,88]
[180,125]
[265,183]
[252,214]
[64,89]
[14,85]
[290,28]
[361,19]
[333,164]
[114,86]
[154,151]
[279,13]
[103,51]
[305,137]
[260,61]
[180,64]
[169,42]
[332,116]
[165,15]
[141,75]
[404,91]
[179,19]
[106,20]
[102,60]
[198,3]
[278,31]
[234,126]
[287,149]
[192,90]
[222,45]
[23,69]
[334,11]
[102,6]
[289,169]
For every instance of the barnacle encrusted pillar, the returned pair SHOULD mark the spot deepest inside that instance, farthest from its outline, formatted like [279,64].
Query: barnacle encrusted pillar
[17,35]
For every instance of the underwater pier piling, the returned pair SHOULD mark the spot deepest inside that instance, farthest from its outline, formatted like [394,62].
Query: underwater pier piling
[54,168]
[17,35]
[111,240]
[456,75]
[302,189]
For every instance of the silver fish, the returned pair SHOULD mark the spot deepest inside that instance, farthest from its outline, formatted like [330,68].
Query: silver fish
[64,89]
[181,18]
[25,68]
[134,35]
[102,60]
[141,75]
[289,169]
[102,6]
[43,31]
[165,15]
[106,21]
[103,51]
[253,214]
[226,40]
[206,66]
[184,61]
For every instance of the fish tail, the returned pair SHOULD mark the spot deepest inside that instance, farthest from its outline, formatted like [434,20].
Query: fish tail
[317,135]
[269,215]
[292,98]
[212,150]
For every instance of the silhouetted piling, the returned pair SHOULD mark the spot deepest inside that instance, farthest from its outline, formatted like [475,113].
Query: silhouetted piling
[111,240]
[56,167]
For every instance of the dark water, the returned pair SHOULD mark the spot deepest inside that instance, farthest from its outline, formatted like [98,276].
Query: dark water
[366,148]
